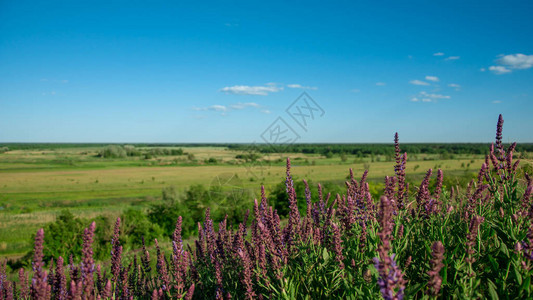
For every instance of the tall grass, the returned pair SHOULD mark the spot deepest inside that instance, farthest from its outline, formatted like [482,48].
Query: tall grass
[429,241]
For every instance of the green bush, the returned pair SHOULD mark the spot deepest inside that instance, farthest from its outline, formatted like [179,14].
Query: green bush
[135,226]
[113,151]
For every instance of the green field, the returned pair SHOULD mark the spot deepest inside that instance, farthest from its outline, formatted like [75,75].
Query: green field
[37,184]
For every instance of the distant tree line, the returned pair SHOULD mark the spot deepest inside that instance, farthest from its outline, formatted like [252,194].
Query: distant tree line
[375,149]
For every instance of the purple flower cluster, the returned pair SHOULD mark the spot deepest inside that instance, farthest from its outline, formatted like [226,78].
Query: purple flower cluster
[390,280]
[435,280]
[399,169]
[471,237]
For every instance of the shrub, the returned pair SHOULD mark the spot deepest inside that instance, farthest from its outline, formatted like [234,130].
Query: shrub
[113,151]
[136,226]
[64,237]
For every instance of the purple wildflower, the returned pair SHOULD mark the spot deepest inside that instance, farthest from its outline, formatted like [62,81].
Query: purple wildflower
[87,265]
[162,268]
[246,277]
[40,289]
[399,169]
[527,246]
[499,145]
[422,198]
[435,280]
[60,281]
[337,245]
[471,237]
[23,281]
[190,292]
[391,281]
[438,187]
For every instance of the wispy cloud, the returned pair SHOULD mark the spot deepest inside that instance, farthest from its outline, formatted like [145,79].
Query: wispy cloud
[252,90]
[418,82]
[455,86]
[438,54]
[428,97]
[496,102]
[432,78]
[216,107]
[244,105]
[416,99]
[453,57]
[299,86]
[380,83]
[223,109]
[499,70]
[355,90]
[434,96]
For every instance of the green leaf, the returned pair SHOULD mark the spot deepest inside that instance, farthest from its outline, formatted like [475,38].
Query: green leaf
[504,249]
[444,273]
[492,290]
[325,254]
[517,275]
[526,284]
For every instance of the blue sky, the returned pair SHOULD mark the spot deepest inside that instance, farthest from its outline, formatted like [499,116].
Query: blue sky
[192,71]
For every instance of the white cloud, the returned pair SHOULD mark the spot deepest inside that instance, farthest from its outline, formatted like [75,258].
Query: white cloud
[482,69]
[265,111]
[510,62]
[423,99]
[434,96]
[217,107]
[432,78]
[252,90]
[453,58]
[299,86]
[499,70]
[244,105]
[516,61]
[418,82]
[438,54]
[455,86]
[380,83]
[355,90]
[496,102]
[223,109]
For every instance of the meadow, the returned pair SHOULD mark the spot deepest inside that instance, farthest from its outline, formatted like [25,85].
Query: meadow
[439,224]
[36,184]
